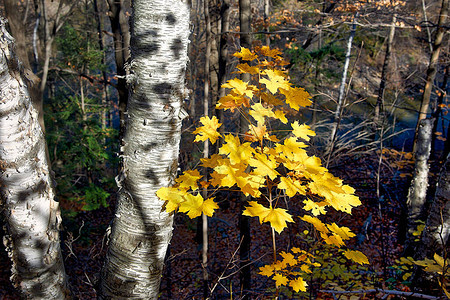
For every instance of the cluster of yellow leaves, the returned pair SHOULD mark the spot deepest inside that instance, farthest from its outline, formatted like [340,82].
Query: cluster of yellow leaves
[290,269]
[274,162]
[185,196]
[293,267]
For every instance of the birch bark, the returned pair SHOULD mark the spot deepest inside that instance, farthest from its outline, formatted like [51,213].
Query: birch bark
[141,230]
[32,216]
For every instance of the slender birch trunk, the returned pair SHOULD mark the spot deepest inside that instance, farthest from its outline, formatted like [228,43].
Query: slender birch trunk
[419,185]
[341,95]
[32,215]
[432,67]
[142,230]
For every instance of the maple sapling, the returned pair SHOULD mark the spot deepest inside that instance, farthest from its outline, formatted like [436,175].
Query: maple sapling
[268,165]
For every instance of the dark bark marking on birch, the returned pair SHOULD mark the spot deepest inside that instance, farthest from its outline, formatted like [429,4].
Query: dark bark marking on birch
[176,47]
[163,90]
[145,42]
[150,174]
[170,18]
[40,187]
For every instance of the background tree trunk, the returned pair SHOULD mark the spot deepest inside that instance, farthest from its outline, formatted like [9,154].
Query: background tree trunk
[244,221]
[380,99]
[141,229]
[31,213]
[208,75]
[432,67]
[223,56]
[121,35]
[341,95]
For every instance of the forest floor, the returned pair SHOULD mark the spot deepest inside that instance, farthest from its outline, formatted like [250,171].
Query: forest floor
[378,223]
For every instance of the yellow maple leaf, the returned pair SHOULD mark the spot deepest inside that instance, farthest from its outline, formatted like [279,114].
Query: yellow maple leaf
[258,133]
[302,131]
[232,102]
[291,186]
[298,284]
[306,269]
[234,174]
[324,184]
[254,183]
[316,223]
[189,179]
[268,98]
[259,112]
[235,151]
[296,250]
[245,54]
[356,256]
[315,208]
[343,202]
[192,205]
[277,217]
[290,148]
[256,210]
[216,178]
[333,239]
[296,97]
[240,87]
[288,258]
[212,162]
[276,81]
[209,206]
[173,197]
[266,51]
[280,116]
[266,270]
[245,68]
[343,232]
[280,280]
[264,165]
[208,130]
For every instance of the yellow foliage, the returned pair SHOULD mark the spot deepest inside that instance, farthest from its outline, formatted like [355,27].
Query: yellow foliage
[274,162]
[356,256]
[208,130]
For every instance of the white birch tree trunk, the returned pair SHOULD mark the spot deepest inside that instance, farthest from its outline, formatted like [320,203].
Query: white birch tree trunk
[417,193]
[141,229]
[32,216]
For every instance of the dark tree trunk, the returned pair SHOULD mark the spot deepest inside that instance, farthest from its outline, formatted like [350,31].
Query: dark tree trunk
[121,35]
[380,99]
[244,221]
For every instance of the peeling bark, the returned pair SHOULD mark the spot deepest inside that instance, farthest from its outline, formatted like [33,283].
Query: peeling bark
[437,229]
[142,230]
[419,185]
[31,213]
